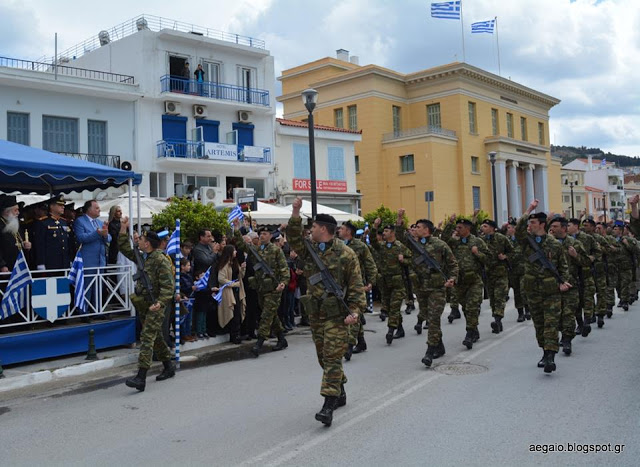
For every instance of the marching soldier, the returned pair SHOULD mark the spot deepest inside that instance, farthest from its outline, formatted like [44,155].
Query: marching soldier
[624,264]
[434,279]
[51,238]
[516,273]
[338,292]
[150,299]
[594,255]
[393,255]
[545,277]
[609,251]
[599,269]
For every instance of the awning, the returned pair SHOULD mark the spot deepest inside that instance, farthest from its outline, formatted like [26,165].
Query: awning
[340,216]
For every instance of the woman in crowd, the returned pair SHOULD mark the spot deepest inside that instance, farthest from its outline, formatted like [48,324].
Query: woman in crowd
[232,307]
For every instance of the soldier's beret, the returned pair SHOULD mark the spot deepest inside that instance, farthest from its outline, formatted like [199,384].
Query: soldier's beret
[574,221]
[542,216]
[325,219]
[359,231]
[263,229]
[490,223]
[413,226]
[57,199]
[70,206]
[513,222]
[163,234]
[151,235]
[589,221]
[465,222]
[275,235]
[618,224]
[351,227]
[389,227]
[7,201]
[558,218]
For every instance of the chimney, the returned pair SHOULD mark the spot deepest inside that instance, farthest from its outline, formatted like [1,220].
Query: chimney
[342,54]
[590,166]
[355,60]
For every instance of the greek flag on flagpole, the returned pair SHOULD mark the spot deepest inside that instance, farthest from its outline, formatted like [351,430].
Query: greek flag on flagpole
[236,213]
[483,26]
[76,277]
[603,162]
[446,10]
[15,297]
[201,284]
[173,247]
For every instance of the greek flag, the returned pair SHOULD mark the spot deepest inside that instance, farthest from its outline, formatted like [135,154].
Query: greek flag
[218,297]
[76,277]
[188,303]
[173,247]
[201,284]
[15,297]
[236,213]
[483,26]
[603,162]
[446,10]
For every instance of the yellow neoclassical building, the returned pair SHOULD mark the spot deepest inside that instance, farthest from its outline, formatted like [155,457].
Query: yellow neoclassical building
[433,131]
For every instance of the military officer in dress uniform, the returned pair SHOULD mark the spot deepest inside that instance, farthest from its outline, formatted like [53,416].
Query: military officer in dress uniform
[52,249]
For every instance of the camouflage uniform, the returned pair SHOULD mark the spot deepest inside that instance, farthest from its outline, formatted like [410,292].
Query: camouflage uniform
[540,285]
[158,268]
[391,282]
[326,314]
[383,295]
[591,248]
[268,297]
[515,274]
[613,250]
[600,274]
[430,290]
[497,272]
[624,267]
[571,298]
[370,274]
[469,288]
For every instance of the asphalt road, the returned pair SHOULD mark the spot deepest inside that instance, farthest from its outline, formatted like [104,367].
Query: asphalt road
[487,406]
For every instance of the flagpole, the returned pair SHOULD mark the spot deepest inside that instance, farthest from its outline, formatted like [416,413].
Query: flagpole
[177,307]
[464,57]
[498,42]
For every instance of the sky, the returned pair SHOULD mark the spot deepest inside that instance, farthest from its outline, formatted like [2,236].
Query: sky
[584,52]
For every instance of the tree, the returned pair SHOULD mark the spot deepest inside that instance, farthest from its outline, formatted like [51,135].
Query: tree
[194,216]
[387,215]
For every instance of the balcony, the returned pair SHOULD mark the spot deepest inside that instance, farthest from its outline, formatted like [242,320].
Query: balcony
[179,150]
[210,90]
[109,161]
[418,132]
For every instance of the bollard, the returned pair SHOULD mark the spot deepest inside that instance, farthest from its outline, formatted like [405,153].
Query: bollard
[1,370]
[92,354]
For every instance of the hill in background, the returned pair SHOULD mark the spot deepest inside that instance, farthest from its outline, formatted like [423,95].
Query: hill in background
[569,153]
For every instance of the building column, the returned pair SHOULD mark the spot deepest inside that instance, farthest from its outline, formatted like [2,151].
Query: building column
[528,183]
[541,188]
[501,192]
[514,200]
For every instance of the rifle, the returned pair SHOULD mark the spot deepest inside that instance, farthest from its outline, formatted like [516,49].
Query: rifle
[605,260]
[142,276]
[330,285]
[580,290]
[424,257]
[484,282]
[539,255]
[260,263]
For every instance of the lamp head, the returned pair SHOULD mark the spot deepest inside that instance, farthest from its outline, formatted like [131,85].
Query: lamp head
[492,156]
[309,99]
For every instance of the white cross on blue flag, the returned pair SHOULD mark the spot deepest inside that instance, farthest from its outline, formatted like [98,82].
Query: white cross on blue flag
[483,26]
[236,213]
[173,247]
[446,10]
[201,284]
[15,296]
[76,277]
[50,297]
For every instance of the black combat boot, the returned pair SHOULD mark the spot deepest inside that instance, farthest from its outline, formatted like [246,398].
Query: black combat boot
[390,335]
[255,350]
[361,346]
[409,308]
[527,313]
[586,329]
[418,326]
[580,325]
[609,312]
[468,339]
[593,318]
[342,399]
[439,350]
[303,322]
[383,315]
[282,343]
[326,413]
[349,352]
[428,357]
[139,381]
[566,346]
[520,315]
[476,335]
[543,359]
[496,325]
[399,332]
[625,306]
[426,325]
[455,314]
[600,321]
[549,364]
[169,371]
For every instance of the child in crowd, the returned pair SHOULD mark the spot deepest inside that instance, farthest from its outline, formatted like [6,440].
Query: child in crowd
[186,291]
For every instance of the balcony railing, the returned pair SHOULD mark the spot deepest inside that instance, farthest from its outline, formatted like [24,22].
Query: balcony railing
[181,149]
[63,70]
[420,131]
[227,92]
[102,159]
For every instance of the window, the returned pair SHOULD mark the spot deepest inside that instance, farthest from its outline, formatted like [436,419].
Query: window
[540,133]
[97,137]
[395,110]
[433,116]
[473,128]
[157,184]
[567,199]
[301,161]
[204,181]
[257,184]
[509,125]
[578,199]
[18,128]
[357,158]
[495,128]
[247,82]
[338,119]
[210,130]
[336,163]
[474,165]
[406,163]
[245,134]
[523,128]
[475,191]
[59,134]
[353,117]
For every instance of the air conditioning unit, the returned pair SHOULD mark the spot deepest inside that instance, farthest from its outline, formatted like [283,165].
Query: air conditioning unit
[200,111]
[212,195]
[244,116]
[172,108]
[128,165]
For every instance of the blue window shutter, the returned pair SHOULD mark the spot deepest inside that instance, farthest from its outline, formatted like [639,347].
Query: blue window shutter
[336,163]
[210,133]
[301,161]
[174,128]
[245,134]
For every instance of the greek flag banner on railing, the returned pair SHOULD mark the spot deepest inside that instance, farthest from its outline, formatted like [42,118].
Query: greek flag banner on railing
[483,26]
[76,278]
[15,296]
[446,10]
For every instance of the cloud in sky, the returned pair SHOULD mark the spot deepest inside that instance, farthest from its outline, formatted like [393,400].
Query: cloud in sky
[584,52]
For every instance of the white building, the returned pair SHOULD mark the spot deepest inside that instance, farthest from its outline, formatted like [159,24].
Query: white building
[335,164]
[178,132]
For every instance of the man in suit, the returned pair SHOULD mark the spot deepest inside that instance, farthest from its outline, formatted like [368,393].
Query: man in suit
[93,237]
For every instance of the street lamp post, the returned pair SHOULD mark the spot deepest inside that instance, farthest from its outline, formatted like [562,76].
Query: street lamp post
[571,185]
[492,158]
[604,198]
[310,98]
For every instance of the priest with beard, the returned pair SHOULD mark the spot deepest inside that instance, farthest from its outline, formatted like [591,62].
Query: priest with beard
[11,235]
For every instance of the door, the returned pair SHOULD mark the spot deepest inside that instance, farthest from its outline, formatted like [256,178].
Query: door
[176,72]
[212,78]
[233,182]
[246,75]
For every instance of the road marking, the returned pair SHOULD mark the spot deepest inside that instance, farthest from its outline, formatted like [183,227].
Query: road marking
[295,446]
